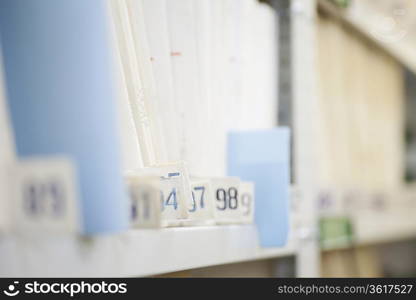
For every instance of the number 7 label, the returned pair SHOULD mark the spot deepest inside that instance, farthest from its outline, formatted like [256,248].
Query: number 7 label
[200,210]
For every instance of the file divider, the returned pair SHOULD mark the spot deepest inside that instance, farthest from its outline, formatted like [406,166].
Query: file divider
[61,97]
[262,156]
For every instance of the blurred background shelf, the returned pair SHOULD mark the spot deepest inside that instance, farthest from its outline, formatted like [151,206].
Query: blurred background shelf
[134,253]
[370,20]
[385,228]
[382,228]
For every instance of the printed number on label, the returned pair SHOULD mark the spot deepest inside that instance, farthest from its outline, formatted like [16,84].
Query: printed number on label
[198,196]
[246,200]
[44,197]
[141,205]
[227,199]
[170,200]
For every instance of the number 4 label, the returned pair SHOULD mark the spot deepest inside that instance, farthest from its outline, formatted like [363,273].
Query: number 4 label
[175,192]
[44,196]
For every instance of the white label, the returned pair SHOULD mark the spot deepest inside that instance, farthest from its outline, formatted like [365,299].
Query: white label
[145,206]
[175,191]
[338,201]
[225,192]
[171,199]
[201,209]
[43,196]
[246,196]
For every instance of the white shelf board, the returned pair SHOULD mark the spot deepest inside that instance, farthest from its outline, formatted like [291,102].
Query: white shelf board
[132,253]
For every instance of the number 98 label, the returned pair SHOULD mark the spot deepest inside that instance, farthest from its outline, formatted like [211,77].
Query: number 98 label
[225,193]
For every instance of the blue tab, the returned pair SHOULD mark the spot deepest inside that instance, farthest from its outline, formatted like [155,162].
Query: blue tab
[59,83]
[262,156]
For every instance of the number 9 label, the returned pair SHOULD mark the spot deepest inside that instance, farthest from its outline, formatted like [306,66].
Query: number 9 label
[247,202]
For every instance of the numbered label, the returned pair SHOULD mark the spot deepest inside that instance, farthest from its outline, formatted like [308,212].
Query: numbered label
[175,192]
[339,201]
[200,210]
[178,195]
[247,202]
[227,198]
[226,195]
[199,195]
[171,199]
[44,196]
[329,202]
[145,205]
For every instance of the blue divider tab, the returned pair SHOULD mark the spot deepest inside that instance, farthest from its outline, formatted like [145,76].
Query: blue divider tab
[262,156]
[58,74]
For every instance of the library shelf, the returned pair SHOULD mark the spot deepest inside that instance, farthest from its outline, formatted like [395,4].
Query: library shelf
[141,252]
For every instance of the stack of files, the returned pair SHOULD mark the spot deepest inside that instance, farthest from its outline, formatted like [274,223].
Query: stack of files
[135,84]
[194,70]
[190,72]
